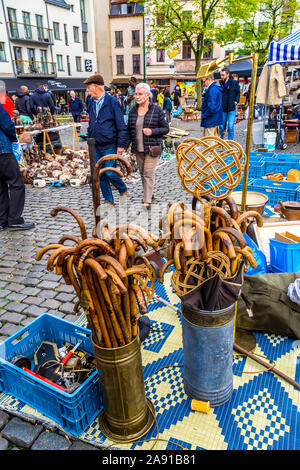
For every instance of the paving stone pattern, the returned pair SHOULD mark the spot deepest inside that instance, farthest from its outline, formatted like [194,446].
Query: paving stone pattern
[27,289]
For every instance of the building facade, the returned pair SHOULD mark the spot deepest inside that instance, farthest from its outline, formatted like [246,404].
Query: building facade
[129,51]
[48,41]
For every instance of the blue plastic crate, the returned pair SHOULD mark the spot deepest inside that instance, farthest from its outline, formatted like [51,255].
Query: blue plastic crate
[240,185]
[261,155]
[284,257]
[72,411]
[282,166]
[256,169]
[287,156]
[275,190]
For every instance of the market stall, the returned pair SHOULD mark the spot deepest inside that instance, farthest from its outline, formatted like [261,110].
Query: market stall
[272,91]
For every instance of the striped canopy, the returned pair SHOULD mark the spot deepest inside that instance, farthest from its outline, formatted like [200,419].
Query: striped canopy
[286,50]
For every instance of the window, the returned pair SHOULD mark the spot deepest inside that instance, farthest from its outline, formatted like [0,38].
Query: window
[31,60]
[27,25]
[188,16]
[59,61]
[208,54]
[56,30]
[85,42]
[78,64]
[160,19]
[186,50]
[119,38]
[160,55]
[135,38]
[44,64]
[120,64]
[136,63]
[2,52]
[12,19]
[66,35]
[76,33]
[68,65]
[82,11]
[40,29]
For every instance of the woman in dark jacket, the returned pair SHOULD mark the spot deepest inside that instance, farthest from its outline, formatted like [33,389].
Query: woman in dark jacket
[146,126]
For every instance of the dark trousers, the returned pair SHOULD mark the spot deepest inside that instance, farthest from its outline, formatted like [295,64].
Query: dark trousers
[12,191]
[76,118]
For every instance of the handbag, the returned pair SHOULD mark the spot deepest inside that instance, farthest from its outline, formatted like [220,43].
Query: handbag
[155,150]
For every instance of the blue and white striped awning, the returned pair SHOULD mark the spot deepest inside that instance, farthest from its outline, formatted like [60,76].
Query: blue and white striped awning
[286,50]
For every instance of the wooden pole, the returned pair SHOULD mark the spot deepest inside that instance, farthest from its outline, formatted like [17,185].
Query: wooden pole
[288,379]
[249,130]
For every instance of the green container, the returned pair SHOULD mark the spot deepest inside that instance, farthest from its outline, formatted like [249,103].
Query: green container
[127,414]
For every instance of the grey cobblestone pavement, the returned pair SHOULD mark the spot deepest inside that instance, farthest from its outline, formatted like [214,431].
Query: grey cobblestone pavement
[28,290]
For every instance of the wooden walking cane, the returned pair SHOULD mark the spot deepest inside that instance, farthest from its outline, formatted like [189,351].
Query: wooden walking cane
[241,350]
[92,157]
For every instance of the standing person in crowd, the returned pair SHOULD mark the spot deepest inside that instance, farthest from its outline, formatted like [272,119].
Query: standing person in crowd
[12,187]
[177,96]
[231,97]
[23,104]
[185,96]
[108,128]
[7,103]
[160,98]
[212,107]
[76,107]
[235,77]
[62,104]
[154,90]
[168,106]
[130,100]
[120,97]
[41,98]
[146,126]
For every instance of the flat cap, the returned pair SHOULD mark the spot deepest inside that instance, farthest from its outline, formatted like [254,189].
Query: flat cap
[96,79]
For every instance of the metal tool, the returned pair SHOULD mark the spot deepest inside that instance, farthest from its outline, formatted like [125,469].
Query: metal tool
[68,356]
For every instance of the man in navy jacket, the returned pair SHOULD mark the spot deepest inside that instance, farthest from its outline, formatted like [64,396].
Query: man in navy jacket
[76,106]
[231,97]
[41,98]
[12,187]
[211,111]
[107,127]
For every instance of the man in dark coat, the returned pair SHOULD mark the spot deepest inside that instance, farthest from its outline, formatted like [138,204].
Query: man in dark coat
[107,127]
[211,111]
[23,104]
[12,187]
[76,107]
[41,98]
[231,97]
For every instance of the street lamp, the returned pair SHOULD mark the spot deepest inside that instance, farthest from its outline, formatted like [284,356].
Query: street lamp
[144,46]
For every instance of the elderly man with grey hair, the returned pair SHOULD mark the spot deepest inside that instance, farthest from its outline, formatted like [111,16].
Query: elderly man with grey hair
[146,127]
[212,106]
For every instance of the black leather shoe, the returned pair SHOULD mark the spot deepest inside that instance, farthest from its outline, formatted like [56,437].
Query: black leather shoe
[25,226]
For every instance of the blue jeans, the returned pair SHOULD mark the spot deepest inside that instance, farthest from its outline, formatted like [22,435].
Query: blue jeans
[228,118]
[109,176]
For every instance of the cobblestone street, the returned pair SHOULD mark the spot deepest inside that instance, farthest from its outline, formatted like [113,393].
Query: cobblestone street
[28,290]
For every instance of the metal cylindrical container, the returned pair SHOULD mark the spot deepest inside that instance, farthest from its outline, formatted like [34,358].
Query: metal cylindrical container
[127,414]
[207,353]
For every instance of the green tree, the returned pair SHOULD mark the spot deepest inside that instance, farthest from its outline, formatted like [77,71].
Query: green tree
[260,24]
[175,21]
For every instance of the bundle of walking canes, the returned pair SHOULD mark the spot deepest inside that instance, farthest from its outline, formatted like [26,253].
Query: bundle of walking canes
[113,280]
[209,240]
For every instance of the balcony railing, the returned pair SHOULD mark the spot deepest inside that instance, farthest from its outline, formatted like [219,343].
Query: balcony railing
[32,68]
[21,32]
